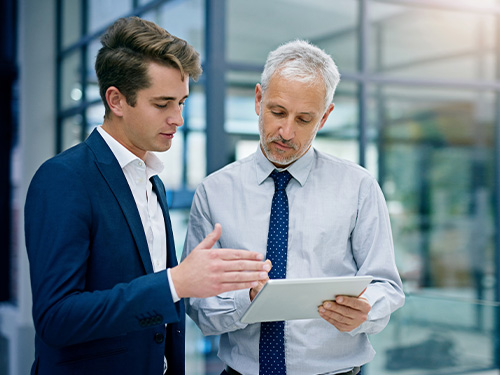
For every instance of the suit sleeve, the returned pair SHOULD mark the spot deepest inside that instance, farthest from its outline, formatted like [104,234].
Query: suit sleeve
[59,229]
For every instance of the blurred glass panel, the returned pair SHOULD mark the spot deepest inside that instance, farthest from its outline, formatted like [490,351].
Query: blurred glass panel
[254,28]
[179,219]
[71,131]
[194,112]
[95,116]
[184,19]
[409,41]
[71,90]
[240,110]
[436,167]
[433,335]
[245,79]
[245,147]
[339,136]
[344,149]
[196,158]
[343,121]
[104,12]
[92,91]
[71,21]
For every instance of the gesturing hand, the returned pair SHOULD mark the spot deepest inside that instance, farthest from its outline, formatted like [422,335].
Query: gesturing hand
[206,272]
[255,290]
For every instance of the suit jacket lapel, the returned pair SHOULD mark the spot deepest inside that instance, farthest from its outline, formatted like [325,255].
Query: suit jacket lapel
[113,174]
[162,198]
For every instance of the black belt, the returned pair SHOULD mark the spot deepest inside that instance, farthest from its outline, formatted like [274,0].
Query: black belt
[354,371]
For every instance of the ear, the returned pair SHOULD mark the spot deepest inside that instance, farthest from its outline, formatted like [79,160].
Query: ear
[258,98]
[115,100]
[329,110]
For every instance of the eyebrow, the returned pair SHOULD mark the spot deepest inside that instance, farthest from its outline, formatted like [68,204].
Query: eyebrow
[272,105]
[167,98]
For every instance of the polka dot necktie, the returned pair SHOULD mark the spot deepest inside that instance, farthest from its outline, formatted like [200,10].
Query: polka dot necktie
[272,341]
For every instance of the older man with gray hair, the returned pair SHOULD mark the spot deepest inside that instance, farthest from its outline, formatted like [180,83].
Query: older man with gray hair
[312,215]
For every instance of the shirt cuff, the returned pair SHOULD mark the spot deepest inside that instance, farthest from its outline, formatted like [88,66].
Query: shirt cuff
[175,297]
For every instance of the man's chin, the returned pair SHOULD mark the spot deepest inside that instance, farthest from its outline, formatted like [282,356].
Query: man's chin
[282,162]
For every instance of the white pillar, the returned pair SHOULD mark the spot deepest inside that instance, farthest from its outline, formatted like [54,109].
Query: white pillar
[36,61]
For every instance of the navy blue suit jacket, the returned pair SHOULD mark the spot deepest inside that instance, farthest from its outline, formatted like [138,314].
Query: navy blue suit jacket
[98,308]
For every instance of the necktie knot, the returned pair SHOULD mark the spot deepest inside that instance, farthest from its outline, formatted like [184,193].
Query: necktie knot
[281,179]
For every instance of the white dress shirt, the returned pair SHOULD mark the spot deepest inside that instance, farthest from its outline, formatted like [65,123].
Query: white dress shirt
[338,226]
[137,172]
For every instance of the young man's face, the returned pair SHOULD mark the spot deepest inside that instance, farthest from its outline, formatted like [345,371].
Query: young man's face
[151,123]
[290,114]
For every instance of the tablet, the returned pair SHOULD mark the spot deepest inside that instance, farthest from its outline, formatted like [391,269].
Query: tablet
[290,299]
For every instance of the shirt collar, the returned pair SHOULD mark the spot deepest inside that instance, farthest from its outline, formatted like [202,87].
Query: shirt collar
[299,170]
[153,164]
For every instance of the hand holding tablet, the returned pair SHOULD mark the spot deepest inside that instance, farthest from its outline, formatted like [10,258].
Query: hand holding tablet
[290,299]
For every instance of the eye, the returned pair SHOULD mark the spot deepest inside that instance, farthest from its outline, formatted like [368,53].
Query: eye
[278,113]
[161,105]
[304,121]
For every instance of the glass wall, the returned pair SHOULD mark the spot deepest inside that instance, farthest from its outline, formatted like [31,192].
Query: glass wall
[417,106]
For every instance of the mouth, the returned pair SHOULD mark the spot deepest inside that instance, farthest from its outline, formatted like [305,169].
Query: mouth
[283,146]
[168,135]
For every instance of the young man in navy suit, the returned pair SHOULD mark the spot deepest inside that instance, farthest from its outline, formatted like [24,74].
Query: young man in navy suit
[106,285]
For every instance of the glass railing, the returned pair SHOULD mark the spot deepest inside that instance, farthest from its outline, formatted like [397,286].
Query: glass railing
[434,335]
[430,335]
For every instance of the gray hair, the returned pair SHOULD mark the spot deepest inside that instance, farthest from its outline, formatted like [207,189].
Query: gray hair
[301,61]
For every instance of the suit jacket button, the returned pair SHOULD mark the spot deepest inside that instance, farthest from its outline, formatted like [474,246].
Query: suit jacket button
[159,338]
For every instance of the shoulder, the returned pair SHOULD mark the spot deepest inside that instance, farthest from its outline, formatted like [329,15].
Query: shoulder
[232,171]
[71,167]
[346,174]
[75,158]
[343,166]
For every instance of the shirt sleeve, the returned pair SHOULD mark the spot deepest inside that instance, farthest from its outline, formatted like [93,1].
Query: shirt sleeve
[222,313]
[175,296]
[373,251]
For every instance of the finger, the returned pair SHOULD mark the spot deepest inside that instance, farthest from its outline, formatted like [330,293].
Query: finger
[243,277]
[245,265]
[352,302]
[256,289]
[341,322]
[268,261]
[210,240]
[336,312]
[236,254]
[332,319]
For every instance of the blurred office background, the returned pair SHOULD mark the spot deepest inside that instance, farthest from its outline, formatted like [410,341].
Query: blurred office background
[418,106]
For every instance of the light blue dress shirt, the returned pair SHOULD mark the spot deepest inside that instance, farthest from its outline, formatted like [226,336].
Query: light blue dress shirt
[339,226]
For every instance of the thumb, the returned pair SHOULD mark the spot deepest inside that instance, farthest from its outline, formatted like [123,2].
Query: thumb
[210,240]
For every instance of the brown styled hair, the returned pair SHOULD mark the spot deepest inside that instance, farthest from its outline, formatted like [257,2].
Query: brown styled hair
[128,47]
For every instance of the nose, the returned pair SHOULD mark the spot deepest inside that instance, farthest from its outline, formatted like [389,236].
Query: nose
[175,116]
[287,129]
